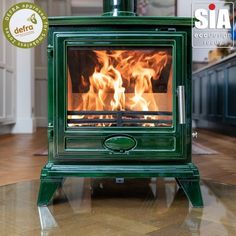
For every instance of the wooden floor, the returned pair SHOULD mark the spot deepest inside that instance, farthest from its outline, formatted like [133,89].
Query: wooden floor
[17,160]
[18,163]
[220,167]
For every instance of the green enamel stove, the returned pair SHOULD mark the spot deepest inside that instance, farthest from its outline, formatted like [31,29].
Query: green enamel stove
[119,99]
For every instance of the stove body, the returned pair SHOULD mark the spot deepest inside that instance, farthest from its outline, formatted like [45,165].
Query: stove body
[119,99]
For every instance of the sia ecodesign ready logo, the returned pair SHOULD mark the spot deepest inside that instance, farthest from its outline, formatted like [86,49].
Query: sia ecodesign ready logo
[214,24]
[25,25]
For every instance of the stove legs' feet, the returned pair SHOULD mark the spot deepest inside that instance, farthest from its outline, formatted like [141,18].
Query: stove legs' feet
[48,186]
[191,187]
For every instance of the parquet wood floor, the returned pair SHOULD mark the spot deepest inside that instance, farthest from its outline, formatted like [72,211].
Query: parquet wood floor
[17,162]
[220,168]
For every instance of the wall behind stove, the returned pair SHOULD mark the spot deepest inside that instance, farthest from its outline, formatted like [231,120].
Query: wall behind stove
[16,84]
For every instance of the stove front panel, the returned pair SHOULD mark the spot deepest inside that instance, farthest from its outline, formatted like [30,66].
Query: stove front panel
[119,101]
[117,96]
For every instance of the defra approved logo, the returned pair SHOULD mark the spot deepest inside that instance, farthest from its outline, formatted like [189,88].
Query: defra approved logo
[25,25]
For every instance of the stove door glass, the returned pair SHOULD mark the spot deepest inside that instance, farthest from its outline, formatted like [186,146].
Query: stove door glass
[119,87]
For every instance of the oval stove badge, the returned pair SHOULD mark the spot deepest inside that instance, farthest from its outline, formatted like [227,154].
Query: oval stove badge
[120,143]
[25,25]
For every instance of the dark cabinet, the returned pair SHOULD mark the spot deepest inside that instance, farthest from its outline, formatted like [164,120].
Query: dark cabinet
[214,92]
[231,93]
[220,93]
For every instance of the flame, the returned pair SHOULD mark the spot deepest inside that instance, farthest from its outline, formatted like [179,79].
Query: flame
[122,81]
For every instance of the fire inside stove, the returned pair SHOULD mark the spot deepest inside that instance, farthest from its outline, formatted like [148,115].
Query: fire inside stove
[119,87]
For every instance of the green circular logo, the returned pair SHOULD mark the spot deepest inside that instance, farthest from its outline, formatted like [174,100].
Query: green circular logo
[25,25]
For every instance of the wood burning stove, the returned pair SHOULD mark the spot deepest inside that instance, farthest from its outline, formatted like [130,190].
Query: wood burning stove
[119,99]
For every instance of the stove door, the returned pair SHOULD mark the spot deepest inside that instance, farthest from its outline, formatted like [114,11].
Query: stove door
[121,96]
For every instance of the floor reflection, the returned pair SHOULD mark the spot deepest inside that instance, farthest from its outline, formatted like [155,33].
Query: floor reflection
[104,207]
[47,220]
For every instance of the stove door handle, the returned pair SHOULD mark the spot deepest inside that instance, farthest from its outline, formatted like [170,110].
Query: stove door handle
[181,103]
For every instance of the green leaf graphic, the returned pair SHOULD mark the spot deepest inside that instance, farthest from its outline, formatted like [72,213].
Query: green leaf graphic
[32,19]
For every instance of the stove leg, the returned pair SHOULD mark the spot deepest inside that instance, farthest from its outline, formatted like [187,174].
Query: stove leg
[191,188]
[48,186]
